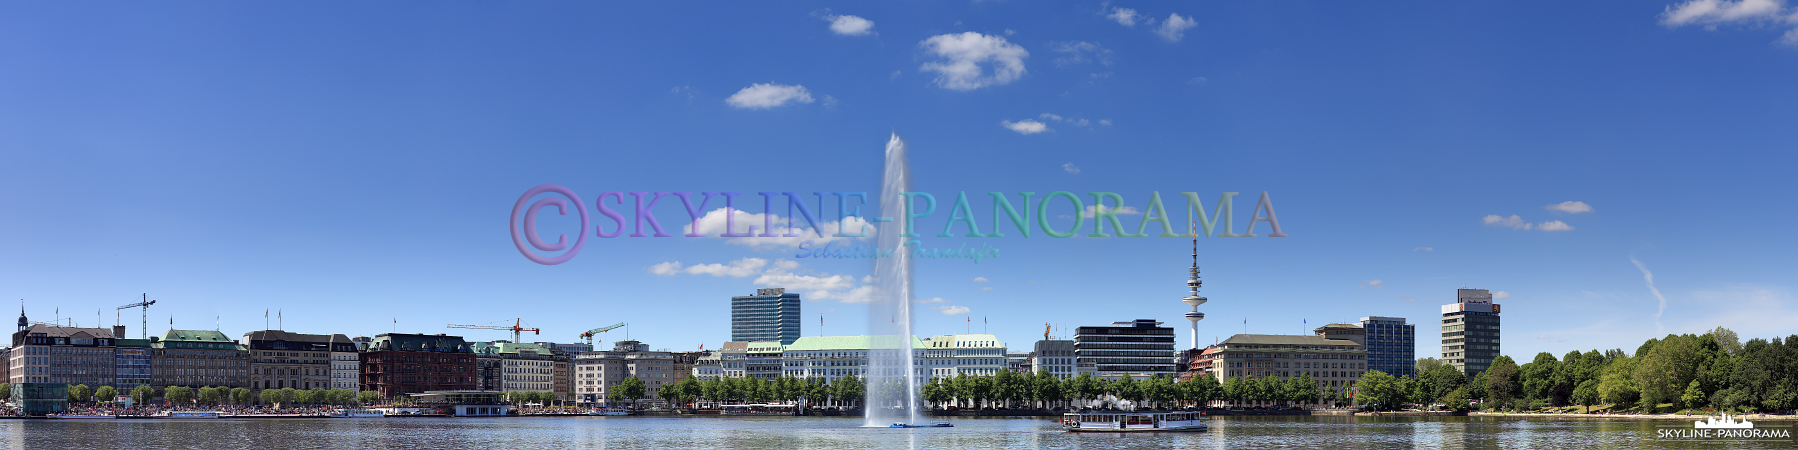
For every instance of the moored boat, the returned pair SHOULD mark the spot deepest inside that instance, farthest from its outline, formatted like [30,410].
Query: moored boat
[82,416]
[192,415]
[609,412]
[360,413]
[1133,421]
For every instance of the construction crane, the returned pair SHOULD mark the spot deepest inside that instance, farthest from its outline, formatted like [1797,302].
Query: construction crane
[589,334]
[145,304]
[517,328]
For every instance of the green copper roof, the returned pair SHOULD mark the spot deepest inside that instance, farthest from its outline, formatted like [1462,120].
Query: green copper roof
[196,336]
[847,343]
[508,348]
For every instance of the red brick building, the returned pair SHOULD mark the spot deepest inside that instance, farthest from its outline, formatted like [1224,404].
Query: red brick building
[398,364]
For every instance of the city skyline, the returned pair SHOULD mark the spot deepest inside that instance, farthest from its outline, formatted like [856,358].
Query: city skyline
[242,159]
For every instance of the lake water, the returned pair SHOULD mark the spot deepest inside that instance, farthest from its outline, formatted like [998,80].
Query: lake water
[1324,432]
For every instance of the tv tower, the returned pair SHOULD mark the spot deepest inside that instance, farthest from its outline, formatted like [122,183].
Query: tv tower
[1194,299]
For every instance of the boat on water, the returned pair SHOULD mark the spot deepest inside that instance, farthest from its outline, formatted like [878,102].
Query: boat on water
[934,425]
[609,412]
[1125,421]
[81,416]
[191,415]
[360,413]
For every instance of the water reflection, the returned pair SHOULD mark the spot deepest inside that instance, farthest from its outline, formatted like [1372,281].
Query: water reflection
[1320,432]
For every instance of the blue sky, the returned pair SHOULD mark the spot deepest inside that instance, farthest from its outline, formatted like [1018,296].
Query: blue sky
[350,164]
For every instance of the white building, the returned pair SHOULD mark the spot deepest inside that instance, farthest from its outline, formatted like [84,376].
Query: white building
[595,373]
[832,357]
[1055,356]
[972,354]
[346,364]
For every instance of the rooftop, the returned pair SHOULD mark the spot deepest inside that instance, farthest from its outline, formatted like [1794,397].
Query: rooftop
[1286,339]
[847,343]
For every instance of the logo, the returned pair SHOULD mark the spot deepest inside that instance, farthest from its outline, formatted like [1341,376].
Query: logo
[1725,428]
[528,234]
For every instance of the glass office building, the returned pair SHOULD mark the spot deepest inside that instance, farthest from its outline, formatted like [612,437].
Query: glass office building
[769,315]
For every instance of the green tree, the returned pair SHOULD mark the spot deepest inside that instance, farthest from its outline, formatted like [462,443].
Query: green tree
[105,394]
[1587,394]
[1538,377]
[1425,365]
[689,390]
[368,397]
[632,388]
[1379,390]
[1693,397]
[1303,388]
[1667,368]
[5,391]
[207,395]
[143,394]
[670,394]
[1727,341]
[273,397]
[1501,380]
[80,393]
[240,396]
[178,394]
[933,392]
[1456,399]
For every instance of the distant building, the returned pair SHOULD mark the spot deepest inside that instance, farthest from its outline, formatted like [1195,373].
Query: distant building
[596,373]
[346,363]
[1470,331]
[769,315]
[63,355]
[684,363]
[398,364]
[709,366]
[1391,345]
[131,364]
[281,359]
[1332,363]
[522,367]
[833,357]
[1056,356]
[1140,349]
[196,359]
[948,355]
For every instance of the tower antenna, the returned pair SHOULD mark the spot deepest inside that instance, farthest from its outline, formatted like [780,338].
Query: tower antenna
[1193,284]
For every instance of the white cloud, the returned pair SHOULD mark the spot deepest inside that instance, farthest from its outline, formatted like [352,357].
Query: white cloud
[980,279]
[932,300]
[1373,284]
[1197,80]
[1105,122]
[1570,207]
[1026,126]
[666,269]
[1009,32]
[1125,16]
[1554,225]
[713,224]
[1514,222]
[735,269]
[770,95]
[861,294]
[951,310]
[1080,52]
[1094,210]
[1059,118]
[1175,27]
[986,288]
[848,25]
[1500,295]
[1071,168]
[963,56]
[1423,249]
[1712,13]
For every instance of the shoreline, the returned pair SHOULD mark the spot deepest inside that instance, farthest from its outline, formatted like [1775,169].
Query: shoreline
[1682,417]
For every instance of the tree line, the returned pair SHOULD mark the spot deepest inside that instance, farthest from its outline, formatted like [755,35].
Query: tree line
[1712,371]
[210,395]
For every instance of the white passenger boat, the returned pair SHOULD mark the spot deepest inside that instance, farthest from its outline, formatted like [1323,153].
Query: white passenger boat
[1133,421]
[609,412]
[360,413]
[81,416]
[192,415]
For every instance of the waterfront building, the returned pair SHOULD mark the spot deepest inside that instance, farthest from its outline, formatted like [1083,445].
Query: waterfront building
[1391,345]
[1140,349]
[832,357]
[1018,362]
[1343,331]
[566,349]
[282,359]
[198,358]
[596,373]
[65,355]
[398,364]
[1332,363]
[684,363]
[709,366]
[346,363]
[1198,363]
[522,367]
[769,315]
[487,372]
[131,363]
[762,359]
[1056,356]
[1470,331]
[6,363]
[947,355]
[732,359]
